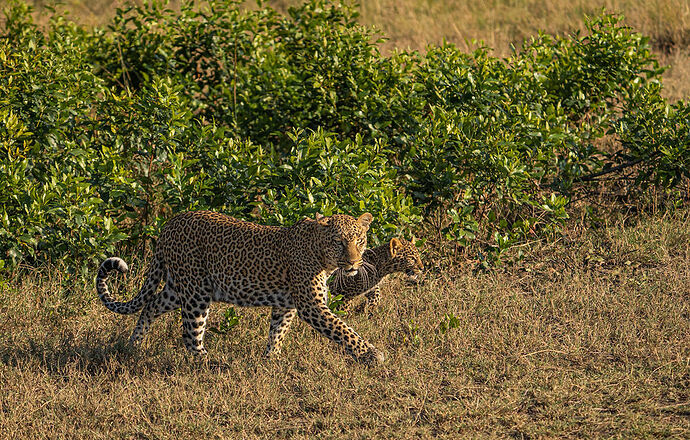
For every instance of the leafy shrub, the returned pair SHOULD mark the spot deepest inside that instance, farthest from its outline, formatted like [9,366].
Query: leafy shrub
[50,211]
[257,72]
[590,74]
[319,173]
[229,321]
[448,322]
[505,143]
[487,151]
[105,133]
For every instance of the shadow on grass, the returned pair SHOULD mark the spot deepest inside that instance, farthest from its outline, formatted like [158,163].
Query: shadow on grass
[114,356]
[93,357]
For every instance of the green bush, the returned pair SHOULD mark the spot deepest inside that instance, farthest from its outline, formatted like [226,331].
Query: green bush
[319,173]
[105,133]
[50,209]
[257,72]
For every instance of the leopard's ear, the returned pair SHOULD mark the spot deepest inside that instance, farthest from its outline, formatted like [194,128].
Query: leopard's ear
[394,246]
[365,220]
[322,220]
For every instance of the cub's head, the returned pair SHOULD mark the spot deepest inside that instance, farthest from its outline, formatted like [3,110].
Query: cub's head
[345,238]
[404,257]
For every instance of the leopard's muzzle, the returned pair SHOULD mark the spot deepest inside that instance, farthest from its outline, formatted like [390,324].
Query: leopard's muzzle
[413,276]
[352,271]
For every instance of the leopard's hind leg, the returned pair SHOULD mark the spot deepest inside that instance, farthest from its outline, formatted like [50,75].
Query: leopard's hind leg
[195,304]
[281,318]
[373,297]
[166,301]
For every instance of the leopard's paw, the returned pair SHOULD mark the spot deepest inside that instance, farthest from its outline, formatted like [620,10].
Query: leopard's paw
[373,356]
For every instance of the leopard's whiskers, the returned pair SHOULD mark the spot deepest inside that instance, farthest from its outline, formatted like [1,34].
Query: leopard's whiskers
[370,274]
[338,280]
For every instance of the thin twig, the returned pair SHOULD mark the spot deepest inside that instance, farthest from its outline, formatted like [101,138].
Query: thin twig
[593,176]
[125,73]
[675,405]
[547,350]
[234,83]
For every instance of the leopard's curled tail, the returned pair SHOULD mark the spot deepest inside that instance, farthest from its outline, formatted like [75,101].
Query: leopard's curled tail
[144,296]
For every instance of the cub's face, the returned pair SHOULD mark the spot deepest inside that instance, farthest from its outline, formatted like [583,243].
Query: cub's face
[405,257]
[345,241]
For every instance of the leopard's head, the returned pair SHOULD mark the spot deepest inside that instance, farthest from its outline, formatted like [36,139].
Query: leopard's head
[345,239]
[404,257]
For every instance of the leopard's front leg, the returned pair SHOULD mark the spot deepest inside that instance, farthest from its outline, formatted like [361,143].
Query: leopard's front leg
[373,296]
[280,322]
[312,309]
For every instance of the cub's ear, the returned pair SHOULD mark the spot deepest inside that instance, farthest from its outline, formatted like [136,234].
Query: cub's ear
[319,216]
[395,246]
[365,220]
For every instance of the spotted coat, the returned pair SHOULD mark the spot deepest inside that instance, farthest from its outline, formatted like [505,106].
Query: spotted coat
[205,257]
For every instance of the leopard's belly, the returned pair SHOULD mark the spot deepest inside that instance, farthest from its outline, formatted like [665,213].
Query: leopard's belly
[248,295]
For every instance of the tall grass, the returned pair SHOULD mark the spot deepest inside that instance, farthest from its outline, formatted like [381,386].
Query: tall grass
[500,23]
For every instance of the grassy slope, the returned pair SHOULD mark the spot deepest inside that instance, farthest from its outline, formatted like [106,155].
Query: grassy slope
[591,337]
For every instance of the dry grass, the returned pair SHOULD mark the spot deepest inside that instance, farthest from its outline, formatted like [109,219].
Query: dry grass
[500,23]
[414,24]
[677,77]
[589,338]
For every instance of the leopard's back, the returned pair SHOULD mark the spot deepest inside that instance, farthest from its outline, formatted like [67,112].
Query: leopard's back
[241,260]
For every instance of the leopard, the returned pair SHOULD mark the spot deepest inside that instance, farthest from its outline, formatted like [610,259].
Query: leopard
[398,255]
[206,257]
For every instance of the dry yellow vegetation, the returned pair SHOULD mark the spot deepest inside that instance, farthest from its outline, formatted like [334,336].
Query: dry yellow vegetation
[501,24]
[589,338]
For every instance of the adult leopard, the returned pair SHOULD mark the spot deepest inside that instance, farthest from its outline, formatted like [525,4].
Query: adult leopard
[206,256]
